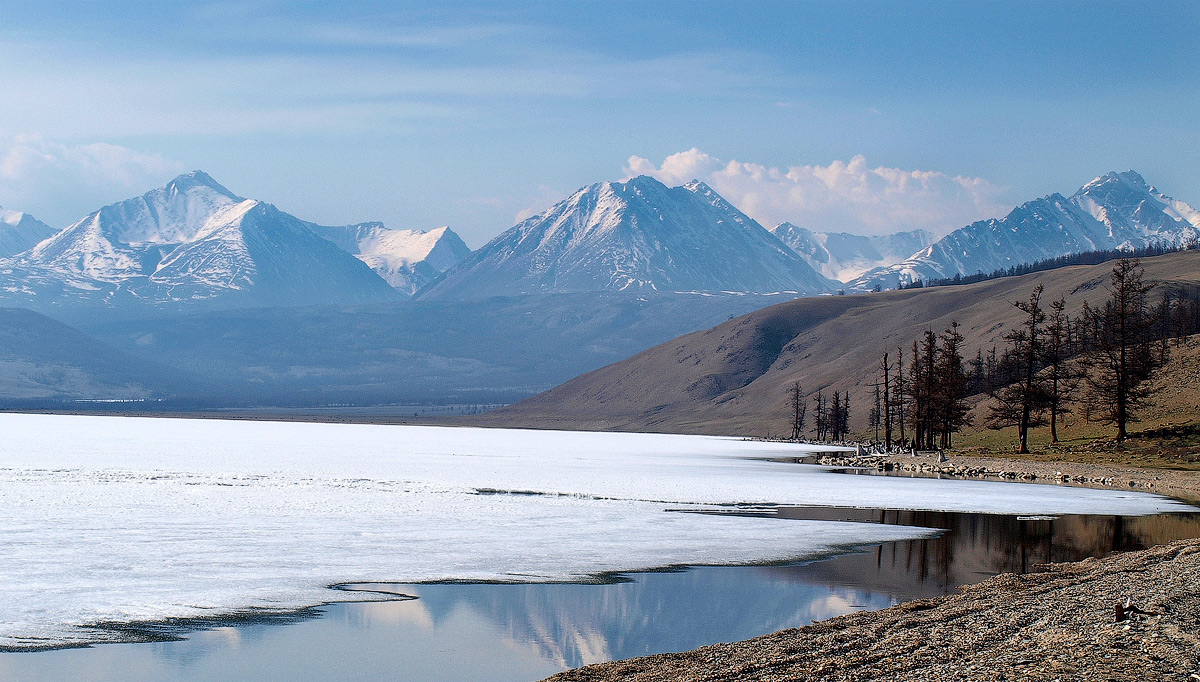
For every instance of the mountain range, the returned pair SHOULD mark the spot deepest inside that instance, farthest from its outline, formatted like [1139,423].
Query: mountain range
[1114,211]
[636,236]
[194,241]
[843,256]
[267,308]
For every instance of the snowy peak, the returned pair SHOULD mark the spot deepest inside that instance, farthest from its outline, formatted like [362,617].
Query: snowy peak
[405,259]
[843,256]
[632,236]
[1113,211]
[105,244]
[193,181]
[190,240]
[20,231]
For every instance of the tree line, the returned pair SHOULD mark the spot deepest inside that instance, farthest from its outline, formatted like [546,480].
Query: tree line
[1051,363]
[1085,258]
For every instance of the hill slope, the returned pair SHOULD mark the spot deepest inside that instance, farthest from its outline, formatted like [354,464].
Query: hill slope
[732,379]
[44,360]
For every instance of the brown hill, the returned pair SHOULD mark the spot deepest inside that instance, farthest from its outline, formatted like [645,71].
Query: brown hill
[732,379]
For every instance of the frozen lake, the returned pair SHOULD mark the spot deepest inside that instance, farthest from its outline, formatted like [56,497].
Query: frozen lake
[110,521]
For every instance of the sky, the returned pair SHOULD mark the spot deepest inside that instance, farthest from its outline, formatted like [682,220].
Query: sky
[864,117]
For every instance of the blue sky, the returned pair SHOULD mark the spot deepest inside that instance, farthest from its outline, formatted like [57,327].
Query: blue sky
[857,116]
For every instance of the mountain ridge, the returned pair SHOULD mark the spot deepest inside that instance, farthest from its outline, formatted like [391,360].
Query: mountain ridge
[194,241]
[630,236]
[1113,211]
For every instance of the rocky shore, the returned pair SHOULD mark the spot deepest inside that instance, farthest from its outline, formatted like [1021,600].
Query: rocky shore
[1184,485]
[1130,616]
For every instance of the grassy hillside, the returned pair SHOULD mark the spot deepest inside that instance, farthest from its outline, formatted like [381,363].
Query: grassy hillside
[1167,434]
[732,379]
[43,360]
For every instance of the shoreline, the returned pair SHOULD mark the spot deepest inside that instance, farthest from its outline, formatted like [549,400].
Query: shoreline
[1061,623]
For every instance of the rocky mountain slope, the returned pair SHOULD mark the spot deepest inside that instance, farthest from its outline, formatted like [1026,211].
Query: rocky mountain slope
[638,235]
[732,379]
[1114,211]
[20,231]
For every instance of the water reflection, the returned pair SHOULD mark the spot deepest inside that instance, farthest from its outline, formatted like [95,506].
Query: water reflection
[977,546]
[517,633]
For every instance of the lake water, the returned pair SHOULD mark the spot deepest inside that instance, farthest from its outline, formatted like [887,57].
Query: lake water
[524,632]
[132,529]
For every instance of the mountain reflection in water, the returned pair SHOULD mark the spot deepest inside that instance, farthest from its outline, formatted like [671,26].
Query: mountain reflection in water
[522,632]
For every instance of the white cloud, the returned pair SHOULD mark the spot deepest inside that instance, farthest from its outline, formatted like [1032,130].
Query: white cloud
[60,182]
[841,197]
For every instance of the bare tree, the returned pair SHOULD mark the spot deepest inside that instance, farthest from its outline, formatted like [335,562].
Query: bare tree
[798,409]
[822,418]
[885,368]
[1061,376]
[1022,401]
[875,414]
[900,393]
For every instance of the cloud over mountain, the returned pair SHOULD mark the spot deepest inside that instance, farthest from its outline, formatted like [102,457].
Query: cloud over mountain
[843,196]
[66,180]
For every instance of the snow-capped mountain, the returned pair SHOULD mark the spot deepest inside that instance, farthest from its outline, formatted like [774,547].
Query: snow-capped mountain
[190,240]
[843,256]
[638,235]
[1114,211]
[406,259]
[20,232]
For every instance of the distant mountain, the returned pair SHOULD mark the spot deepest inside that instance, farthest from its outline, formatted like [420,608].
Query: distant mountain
[1114,211]
[406,259]
[44,360]
[191,240]
[20,232]
[632,236]
[842,256]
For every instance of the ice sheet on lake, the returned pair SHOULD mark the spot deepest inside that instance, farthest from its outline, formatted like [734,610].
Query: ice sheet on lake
[109,519]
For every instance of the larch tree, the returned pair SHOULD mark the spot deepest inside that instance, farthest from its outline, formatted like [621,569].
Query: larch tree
[1121,356]
[1022,401]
